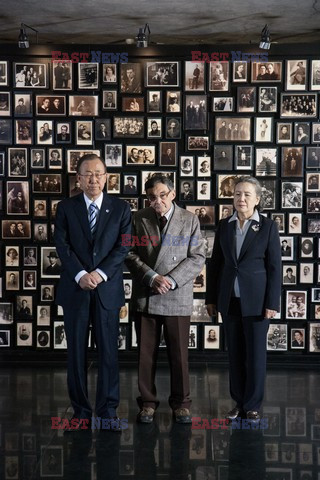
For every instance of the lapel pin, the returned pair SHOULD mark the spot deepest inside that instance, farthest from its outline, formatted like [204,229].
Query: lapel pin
[107,211]
[255,228]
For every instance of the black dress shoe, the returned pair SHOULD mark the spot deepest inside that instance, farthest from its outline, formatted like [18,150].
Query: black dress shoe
[253,416]
[110,424]
[234,413]
[78,425]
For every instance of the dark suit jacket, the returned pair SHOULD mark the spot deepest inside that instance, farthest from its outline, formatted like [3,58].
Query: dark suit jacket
[77,250]
[258,268]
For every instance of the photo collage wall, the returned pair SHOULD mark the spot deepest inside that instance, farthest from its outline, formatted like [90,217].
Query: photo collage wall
[203,125]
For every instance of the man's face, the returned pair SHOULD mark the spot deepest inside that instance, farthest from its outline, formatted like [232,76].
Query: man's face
[40,229]
[37,156]
[130,73]
[270,68]
[186,187]
[202,212]
[306,270]
[88,178]
[205,165]
[160,198]
[284,244]
[46,103]
[284,130]
[52,260]
[289,273]
[134,153]
[204,187]
[109,97]
[102,127]
[262,70]
[56,102]
[24,303]
[64,130]
[54,155]
[298,336]
[299,300]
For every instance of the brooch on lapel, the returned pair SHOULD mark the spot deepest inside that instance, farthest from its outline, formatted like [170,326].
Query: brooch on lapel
[256,228]
[107,211]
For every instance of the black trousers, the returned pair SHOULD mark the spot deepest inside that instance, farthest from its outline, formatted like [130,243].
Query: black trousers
[105,329]
[246,340]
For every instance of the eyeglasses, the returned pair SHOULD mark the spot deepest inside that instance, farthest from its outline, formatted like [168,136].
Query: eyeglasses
[162,196]
[90,176]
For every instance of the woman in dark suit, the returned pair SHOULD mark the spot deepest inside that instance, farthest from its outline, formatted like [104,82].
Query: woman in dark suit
[244,285]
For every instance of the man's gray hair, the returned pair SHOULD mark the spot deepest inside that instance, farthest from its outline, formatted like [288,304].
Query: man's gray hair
[155,179]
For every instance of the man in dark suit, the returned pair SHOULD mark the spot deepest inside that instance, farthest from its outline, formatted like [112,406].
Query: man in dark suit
[64,136]
[91,285]
[244,285]
[102,133]
[54,267]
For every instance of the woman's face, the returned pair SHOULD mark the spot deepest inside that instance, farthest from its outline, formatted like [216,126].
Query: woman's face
[245,198]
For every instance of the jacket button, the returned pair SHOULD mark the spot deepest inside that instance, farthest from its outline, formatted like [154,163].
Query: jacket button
[94,253]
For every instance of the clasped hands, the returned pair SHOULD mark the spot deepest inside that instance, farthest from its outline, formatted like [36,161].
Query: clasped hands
[161,284]
[89,281]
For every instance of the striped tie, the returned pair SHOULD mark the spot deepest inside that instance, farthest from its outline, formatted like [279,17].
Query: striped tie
[93,214]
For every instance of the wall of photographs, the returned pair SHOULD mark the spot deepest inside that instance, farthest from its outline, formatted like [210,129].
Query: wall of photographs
[203,124]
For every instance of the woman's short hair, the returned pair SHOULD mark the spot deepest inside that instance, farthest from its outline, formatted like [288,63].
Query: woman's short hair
[257,186]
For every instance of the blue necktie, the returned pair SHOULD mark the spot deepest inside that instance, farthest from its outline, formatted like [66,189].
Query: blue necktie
[93,217]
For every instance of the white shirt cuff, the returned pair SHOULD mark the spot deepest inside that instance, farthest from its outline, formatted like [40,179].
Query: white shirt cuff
[80,275]
[102,274]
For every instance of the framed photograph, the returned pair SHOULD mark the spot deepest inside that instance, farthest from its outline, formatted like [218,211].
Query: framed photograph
[199,283]
[296,75]
[223,157]
[102,129]
[193,337]
[12,280]
[6,313]
[88,76]
[109,100]
[113,155]
[240,72]
[140,154]
[60,342]
[109,73]
[63,132]
[266,72]
[195,115]
[246,99]
[277,337]
[199,312]
[222,104]
[2,162]
[51,105]
[5,340]
[24,132]
[37,158]
[313,182]
[186,190]
[40,208]
[62,75]
[55,158]
[147,174]
[296,304]
[243,157]
[47,293]
[225,210]
[154,101]
[162,74]
[225,185]
[130,182]
[315,75]
[314,337]
[313,204]
[211,337]
[306,247]
[30,256]
[289,274]
[17,198]
[205,214]
[293,106]
[315,132]
[295,223]
[186,165]
[194,76]
[3,73]
[291,194]
[306,272]
[53,207]
[17,162]
[22,105]
[268,194]
[45,132]
[113,182]
[30,75]
[50,263]
[232,129]
[168,154]
[203,189]
[173,101]
[12,256]
[279,218]
[43,315]
[315,295]
[219,76]
[198,142]
[5,132]
[128,127]
[83,105]
[40,232]
[313,225]
[29,279]
[73,157]
[292,162]
[301,132]
[154,127]
[295,424]
[263,129]
[266,162]
[43,339]
[267,101]
[284,132]
[204,166]
[131,77]
[133,104]
[173,127]
[297,338]
[24,334]
[5,104]
[50,182]
[287,248]
[84,134]
[16,229]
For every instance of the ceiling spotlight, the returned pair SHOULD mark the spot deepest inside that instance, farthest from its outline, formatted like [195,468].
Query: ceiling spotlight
[265,41]
[143,36]
[23,40]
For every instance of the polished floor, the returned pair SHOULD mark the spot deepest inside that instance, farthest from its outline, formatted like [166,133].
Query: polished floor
[288,449]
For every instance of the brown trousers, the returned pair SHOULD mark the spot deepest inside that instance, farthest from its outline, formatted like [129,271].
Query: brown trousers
[176,334]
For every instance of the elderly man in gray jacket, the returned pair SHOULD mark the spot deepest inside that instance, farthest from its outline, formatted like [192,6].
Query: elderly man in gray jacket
[167,254]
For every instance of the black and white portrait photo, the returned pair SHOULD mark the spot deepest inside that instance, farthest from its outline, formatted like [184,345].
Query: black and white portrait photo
[194,76]
[246,99]
[162,74]
[173,127]
[222,104]
[267,100]
[223,157]
[154,127]
[88,75]
[140,154]
[266,72]
[51,105]
[17,162]
[5,104]
[298,105]
[204,166]
[296,75]
[277,338]
[109,100]
[109,73]
[263,129]
[45,132]
[5,132]
[301,132]
[84,134]
[128,127]
[62,75]
[113,155]
[292,162]
[315,75]
[131,77]
[37,158]
[296,304]
[154,101]
[219,76]
[243,157]
[203,190]
[187,165]
[17,198]
[266,162]
[232,129]
[3,73]
[83,105]
[63,132]
[24,131]
[240,72]
[30,75]
[195,112]
[291,195]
